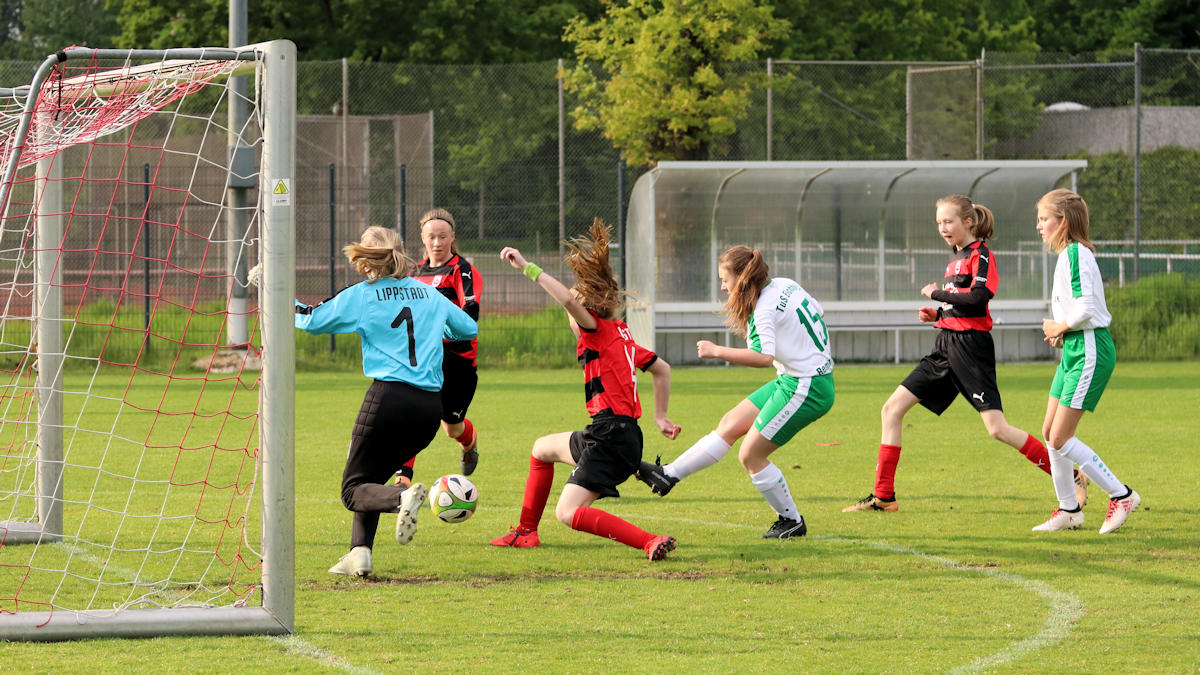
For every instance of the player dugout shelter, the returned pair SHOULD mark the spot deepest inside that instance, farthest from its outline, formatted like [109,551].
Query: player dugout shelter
[859,236]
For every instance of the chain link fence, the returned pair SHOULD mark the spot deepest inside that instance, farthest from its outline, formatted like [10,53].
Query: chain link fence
[379,144]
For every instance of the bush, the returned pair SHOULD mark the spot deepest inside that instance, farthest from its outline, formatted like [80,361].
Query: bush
[1156,318]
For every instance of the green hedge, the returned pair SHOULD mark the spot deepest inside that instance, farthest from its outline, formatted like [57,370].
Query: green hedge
[1157,318]
[1169,177]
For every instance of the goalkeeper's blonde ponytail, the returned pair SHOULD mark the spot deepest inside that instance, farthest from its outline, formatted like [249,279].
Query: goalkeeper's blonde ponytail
[379,253]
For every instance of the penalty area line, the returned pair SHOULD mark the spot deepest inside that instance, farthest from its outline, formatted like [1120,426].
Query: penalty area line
[1065,612]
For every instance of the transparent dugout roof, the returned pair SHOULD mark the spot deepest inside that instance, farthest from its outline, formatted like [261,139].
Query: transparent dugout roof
[845,230]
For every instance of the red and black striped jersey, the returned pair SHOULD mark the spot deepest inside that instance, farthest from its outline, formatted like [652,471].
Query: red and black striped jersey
[459,281]
[609,356]
[971,282]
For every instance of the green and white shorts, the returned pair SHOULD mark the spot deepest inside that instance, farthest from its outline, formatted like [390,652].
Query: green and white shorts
[1088,359]
[787,404]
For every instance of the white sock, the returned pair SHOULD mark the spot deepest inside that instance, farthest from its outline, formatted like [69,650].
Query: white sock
[1095,468]
[1062,472]
[703,454]
[774,488]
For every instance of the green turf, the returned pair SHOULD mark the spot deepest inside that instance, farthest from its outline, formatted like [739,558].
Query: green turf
[954,581]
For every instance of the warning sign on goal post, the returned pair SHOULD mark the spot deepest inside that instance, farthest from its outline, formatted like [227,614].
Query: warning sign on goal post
[281,191]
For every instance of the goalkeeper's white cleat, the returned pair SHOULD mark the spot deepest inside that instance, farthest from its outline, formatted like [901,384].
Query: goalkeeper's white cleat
[410,504]
[1061,520]
[356,563]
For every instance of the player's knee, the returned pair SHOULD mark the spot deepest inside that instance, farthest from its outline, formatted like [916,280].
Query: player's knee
[565,514]
[996,432]
[348,495]
[890,411]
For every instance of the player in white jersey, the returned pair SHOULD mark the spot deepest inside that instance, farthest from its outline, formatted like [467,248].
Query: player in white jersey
[1080,327]
[783,327]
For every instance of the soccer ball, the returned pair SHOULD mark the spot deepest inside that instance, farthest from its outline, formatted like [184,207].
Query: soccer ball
[453,498]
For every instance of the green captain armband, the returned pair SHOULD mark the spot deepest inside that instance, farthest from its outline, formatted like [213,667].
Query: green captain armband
[532,271]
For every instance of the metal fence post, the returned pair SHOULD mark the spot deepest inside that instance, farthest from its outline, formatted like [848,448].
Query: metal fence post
[403,204]
[1137,159]
[770,104]
[562,171]
[332,243]
[621,218]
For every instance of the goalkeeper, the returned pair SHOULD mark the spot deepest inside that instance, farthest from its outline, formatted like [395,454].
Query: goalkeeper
[402,323]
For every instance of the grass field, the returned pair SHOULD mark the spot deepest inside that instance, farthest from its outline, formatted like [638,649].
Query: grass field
[955,581]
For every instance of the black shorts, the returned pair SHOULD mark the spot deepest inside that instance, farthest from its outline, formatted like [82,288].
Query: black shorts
[459,379]
[606,453]
[962,362]
[395,422]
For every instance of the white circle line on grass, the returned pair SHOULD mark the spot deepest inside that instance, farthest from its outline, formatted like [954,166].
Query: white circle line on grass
[1065,608]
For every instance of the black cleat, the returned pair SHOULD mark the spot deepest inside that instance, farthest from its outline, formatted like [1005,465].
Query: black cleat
[786,528]
[654,476]
[470,458]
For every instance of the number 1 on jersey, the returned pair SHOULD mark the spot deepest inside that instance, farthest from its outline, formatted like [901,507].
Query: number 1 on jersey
[405,316]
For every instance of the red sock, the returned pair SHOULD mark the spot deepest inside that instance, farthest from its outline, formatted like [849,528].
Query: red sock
[1035,452]
[885,471]
[537,491]
[467,438]
[604,524]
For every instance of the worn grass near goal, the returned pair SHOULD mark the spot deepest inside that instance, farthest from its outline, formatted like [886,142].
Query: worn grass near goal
[954,581]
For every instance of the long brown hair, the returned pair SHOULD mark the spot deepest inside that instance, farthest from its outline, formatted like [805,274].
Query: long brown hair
[982,221]
[595,284]
[379,253]
[751,275]
[1073,211]
[442,214]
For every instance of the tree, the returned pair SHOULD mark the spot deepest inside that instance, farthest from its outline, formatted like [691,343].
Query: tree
[653,76]
[37,28]
[420,31]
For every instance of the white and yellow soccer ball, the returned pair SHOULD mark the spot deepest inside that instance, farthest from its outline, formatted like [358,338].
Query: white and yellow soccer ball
[453,498]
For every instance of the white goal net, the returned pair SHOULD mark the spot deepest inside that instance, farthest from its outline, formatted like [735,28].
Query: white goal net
[145,386]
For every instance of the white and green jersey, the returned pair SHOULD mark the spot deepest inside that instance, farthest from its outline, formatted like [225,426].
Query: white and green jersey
[1078,290]
[787,324]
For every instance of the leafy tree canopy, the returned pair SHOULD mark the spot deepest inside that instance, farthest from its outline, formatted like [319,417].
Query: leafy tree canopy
[653,77]
[428,31]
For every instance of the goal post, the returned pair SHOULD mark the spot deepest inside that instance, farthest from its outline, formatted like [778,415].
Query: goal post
[145,487]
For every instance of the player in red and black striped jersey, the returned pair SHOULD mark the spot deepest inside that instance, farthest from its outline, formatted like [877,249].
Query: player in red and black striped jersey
[457,279]
[963,360]
[609,450]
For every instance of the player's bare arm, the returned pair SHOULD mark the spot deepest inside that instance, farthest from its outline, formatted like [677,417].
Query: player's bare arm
[706,349]
[660,371]
[561,294]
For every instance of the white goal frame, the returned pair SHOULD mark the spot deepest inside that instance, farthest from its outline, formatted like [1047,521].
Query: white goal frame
[276,406]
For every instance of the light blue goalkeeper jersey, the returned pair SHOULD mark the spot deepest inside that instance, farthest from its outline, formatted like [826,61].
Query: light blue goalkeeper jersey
[401,322]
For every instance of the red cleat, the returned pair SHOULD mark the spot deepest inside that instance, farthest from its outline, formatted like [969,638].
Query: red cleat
[518,539]
[659,547]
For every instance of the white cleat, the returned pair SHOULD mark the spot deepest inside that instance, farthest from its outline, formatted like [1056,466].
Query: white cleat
[1061,520]
[356,563]
[1119,510]
[410,504]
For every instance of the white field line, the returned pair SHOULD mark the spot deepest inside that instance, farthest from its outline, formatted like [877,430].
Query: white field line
[1065,609]
[295,646]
